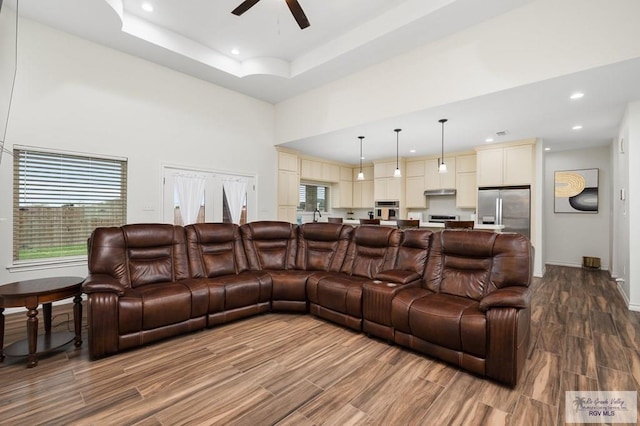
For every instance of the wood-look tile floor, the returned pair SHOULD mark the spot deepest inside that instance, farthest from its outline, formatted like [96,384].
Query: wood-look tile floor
[291,369]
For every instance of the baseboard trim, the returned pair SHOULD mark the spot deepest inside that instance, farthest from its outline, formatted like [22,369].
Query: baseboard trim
[576,265]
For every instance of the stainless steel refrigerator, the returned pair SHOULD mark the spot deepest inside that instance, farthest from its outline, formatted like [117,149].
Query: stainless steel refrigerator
[508,206]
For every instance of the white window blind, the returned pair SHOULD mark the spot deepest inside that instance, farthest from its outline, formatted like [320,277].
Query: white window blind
[59,199]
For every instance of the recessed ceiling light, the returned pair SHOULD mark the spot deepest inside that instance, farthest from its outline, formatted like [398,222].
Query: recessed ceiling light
[577,127]
[362,158]
[147,6]
[547,149]
[576,95]
[488,140]
[412,151]
[235,52]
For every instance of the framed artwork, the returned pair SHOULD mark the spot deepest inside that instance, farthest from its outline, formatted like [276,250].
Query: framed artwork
[576,191]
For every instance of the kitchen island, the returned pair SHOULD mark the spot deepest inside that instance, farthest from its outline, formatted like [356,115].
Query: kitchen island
[435,226]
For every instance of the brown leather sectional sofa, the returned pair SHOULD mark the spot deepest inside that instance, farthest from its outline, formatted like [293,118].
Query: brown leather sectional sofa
[461,296]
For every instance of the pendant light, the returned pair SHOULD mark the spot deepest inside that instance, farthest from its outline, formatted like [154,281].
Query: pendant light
[360,175]
[442,168]
[397,173]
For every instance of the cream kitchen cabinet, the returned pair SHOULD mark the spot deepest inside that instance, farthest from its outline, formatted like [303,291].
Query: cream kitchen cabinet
[415,168]
[342,192]
[363,194]
[287,161]
[433,179]
[414,184]
[414,192]
[319,171]
[386,186]
[330,172]
[506,165]
[310,169]
[363,189]
[288,214]
[466,163]
[466,190]
[288,186]
[466,181]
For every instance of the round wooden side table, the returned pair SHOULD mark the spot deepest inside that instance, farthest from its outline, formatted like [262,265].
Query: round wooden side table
[30,294]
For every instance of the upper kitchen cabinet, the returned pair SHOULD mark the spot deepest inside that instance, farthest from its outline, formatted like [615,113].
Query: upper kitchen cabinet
[363,189]
[342,196]
[287,161]
[319,171]
[288,186]
[466,182]
[386,186]
[414,184]
[433,179]
[506,165]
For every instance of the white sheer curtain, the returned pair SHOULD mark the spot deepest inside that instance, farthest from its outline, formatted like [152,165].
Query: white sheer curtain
[235,190]
[190,191]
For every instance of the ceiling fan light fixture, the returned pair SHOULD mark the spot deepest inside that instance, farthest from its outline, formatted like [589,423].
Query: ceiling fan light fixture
[294,7]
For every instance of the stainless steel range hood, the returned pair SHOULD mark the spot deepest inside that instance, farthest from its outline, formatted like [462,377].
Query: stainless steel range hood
[439,192]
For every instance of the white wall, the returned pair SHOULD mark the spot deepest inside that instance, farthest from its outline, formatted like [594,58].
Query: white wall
[75,95]
[569,236]
[541,40]
[627,214]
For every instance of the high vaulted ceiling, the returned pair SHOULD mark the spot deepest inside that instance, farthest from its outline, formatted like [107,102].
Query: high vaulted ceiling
[276,60]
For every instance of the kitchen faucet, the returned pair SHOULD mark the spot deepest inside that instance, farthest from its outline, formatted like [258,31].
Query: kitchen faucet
[314,214]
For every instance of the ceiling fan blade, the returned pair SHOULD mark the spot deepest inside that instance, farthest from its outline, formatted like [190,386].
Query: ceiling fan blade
[298,13]
[244,6]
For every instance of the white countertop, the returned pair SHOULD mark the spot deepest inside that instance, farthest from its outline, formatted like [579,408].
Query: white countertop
[428,224]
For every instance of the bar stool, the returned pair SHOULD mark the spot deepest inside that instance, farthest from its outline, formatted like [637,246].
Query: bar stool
[407,223]
[459,224]
[369,221]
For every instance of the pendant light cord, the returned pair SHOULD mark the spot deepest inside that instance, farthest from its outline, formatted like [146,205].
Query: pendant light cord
[360,137]
[13,84]
[442,121]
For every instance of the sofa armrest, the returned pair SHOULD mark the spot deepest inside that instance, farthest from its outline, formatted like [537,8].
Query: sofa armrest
[102,283]
[397,276]
[508,297]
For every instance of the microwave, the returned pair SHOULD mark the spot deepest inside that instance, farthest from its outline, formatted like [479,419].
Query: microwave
[387,210]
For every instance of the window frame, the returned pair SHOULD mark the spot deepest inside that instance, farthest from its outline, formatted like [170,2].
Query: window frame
[76,161]
[328,193]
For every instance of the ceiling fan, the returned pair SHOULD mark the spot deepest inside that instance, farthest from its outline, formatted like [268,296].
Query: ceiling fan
[294,7]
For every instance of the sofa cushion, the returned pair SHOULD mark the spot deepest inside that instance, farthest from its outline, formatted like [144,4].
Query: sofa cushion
[460,263]
[270,244]
[289,285]
[155,253]
[412,253]
[372,249]
[449,321]
[149,265]
[341,293]
[238,290]
[154,305]
[215,249]
[322,246]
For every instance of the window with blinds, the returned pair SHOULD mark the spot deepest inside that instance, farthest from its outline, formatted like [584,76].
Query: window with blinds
[59,199]
[312,196]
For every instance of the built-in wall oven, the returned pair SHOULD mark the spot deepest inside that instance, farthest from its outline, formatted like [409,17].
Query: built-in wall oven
[387,210]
